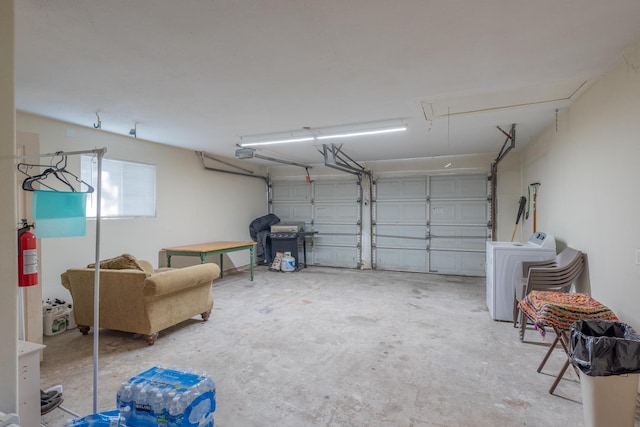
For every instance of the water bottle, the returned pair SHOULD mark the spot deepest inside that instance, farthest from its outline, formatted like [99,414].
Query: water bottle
[174,407]
[125,395]
[136,392]
[176,410]
[140,415]
[168,399]
[156,404]
[125,415]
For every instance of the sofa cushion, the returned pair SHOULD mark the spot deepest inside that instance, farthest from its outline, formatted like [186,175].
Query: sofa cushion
[122,262]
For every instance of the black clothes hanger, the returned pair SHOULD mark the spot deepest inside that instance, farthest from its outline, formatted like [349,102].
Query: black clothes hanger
[58,170]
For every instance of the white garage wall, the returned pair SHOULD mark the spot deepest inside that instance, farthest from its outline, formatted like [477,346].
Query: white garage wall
[193,205]
[589,173]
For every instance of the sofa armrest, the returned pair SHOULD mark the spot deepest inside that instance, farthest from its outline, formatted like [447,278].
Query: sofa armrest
[168,282]
[64,279]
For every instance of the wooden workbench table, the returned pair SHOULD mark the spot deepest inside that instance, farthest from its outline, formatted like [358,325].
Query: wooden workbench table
[203,250]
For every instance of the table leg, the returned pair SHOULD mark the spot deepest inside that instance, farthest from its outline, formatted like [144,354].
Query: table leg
[546,356]
[221,266]
[251,260]
[564,341]
[559,377]
[168,260]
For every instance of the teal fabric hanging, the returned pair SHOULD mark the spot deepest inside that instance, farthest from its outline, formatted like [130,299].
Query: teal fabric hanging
[59,213]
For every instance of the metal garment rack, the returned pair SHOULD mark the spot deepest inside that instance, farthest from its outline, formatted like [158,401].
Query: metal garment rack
[99,152]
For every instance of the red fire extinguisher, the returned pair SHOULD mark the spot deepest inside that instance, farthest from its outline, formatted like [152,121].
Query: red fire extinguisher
[27,256]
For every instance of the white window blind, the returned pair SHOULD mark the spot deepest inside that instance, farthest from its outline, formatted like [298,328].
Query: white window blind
[128,188]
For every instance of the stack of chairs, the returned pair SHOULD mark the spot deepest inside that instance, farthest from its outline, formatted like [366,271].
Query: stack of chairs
[556,275]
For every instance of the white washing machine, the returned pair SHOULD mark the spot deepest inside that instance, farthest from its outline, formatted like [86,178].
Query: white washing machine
[504,268]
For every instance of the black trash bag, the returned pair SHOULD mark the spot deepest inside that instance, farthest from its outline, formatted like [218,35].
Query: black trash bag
[259,231]
[263,223]
[604,348]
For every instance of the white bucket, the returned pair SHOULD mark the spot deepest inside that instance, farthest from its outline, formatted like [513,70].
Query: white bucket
[288,263]
[54,320]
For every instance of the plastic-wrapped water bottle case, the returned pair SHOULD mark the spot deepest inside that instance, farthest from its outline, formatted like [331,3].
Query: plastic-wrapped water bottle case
[159,397]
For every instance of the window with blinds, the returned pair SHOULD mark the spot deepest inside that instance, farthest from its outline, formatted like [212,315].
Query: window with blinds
[128,188]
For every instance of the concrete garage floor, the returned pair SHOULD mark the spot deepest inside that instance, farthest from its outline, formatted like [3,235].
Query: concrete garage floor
[337,347]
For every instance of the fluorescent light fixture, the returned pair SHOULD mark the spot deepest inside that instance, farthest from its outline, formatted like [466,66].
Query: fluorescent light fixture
[363,133]
[317,135]
[277,141]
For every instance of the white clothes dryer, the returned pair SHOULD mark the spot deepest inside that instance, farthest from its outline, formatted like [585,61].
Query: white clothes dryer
[504,267]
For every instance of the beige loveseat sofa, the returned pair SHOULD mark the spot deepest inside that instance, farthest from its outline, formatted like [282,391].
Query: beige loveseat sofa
[139,299]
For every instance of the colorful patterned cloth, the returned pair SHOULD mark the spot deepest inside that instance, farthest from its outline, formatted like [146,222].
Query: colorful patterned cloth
[560,310]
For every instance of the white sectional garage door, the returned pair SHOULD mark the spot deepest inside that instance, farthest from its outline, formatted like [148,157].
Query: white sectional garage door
[400,224]
[434,224]
[332,208]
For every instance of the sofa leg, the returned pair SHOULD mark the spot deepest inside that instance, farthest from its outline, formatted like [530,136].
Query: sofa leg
[151,338]
[205,315]
[84,330]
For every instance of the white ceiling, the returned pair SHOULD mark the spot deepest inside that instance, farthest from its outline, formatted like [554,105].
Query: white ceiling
[204,74]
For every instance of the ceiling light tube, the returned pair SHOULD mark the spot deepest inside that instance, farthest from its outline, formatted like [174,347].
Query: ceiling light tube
[277,141]
[364,132]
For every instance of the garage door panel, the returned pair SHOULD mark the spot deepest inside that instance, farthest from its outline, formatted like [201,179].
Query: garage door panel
[335,191]
[398,236]
[407,188]
[291,191]
[459,212]
[293,211]
[452,262]
[443,187]
[460,237]
[474,212]
[335,256]
[402,260]
[336,234]
[338,212]
[459,186]
[401,212]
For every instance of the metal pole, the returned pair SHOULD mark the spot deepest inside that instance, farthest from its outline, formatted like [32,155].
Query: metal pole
[96,286]
[68,153]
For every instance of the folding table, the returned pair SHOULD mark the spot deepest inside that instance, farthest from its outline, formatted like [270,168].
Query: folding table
[559,310]
[203,250]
